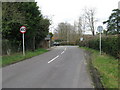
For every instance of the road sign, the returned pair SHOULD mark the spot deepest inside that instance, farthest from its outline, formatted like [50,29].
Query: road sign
[100,29]
[119,24]
[23,29]
[47,38]
[81,39]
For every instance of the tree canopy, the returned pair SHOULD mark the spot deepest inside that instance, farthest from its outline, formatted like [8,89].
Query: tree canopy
[113,23]
[17,14]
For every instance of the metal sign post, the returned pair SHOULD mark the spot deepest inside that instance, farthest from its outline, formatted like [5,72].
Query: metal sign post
[100,43]
[23,30]
[100,28]
[23,45]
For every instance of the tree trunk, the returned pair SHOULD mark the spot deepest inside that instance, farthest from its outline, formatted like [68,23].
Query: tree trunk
[33,47]
[93,33]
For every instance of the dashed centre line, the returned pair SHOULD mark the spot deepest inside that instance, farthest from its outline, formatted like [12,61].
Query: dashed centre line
[65,49]
[53,59]
[63,52]
[57,56]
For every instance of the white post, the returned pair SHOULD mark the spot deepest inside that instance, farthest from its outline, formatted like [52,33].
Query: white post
[23,46]
[100,43]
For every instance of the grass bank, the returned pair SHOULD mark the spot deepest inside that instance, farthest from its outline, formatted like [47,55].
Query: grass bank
[6,60]
[107,66]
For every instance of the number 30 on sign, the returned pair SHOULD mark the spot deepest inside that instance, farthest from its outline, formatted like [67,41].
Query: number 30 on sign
[23,29]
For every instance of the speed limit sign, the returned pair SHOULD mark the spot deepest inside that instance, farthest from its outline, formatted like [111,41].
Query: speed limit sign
[23,29]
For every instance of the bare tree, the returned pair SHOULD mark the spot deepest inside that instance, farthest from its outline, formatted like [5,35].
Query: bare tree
[62,31]
[80,24]
[76,32]
[67,32]
[90,19]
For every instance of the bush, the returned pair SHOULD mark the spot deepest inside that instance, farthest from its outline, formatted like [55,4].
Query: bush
[9,47]
[110,45]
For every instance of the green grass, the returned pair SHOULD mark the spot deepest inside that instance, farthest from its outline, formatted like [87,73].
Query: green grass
[107,66]
[6,60]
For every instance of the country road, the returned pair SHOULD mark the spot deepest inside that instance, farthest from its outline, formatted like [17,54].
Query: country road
[62,67]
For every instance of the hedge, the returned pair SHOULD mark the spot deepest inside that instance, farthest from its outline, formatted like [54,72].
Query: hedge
[110,45]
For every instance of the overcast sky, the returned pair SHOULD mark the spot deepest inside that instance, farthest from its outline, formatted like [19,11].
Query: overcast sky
[70,10]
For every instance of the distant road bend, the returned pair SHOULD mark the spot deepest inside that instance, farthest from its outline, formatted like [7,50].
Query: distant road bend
[62,67]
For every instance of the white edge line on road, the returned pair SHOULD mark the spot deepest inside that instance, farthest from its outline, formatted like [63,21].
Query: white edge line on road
[53,59]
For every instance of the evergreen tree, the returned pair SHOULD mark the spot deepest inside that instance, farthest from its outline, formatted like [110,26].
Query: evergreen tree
[17,14]
[113,24]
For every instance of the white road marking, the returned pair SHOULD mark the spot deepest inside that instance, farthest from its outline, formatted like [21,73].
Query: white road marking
[65,49]
[57,56]
[63,52]
[53,59]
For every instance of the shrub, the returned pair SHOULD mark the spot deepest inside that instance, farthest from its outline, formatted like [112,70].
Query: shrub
[110,45]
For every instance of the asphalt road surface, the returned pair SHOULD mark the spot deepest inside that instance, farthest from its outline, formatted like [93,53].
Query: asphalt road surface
[62,67]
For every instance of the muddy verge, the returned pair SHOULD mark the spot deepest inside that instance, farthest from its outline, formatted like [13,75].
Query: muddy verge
[95,75]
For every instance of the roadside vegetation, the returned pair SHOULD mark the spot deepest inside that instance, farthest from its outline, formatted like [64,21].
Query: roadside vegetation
[17,14]
[10,59]
[110,44]
[107,66]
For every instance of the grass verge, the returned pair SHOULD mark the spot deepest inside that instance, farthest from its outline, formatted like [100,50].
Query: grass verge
[107,66]
[6,60]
